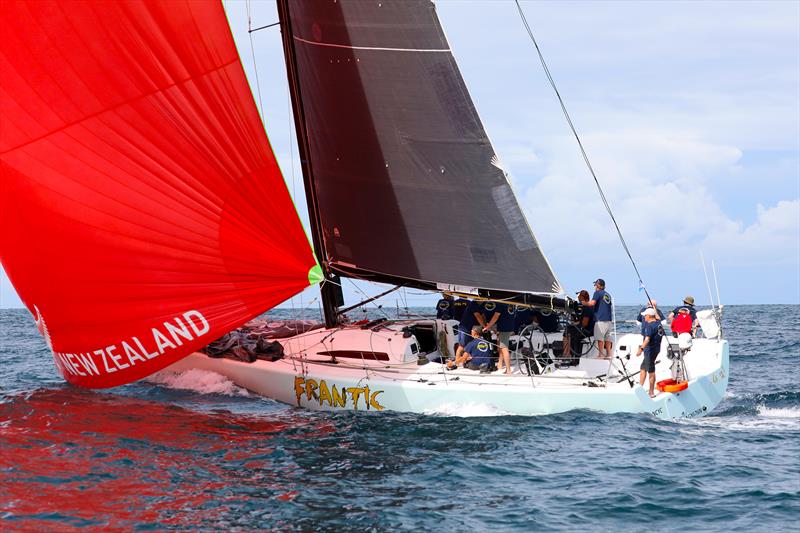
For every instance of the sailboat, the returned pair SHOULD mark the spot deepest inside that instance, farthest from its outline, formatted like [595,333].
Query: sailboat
[144,214]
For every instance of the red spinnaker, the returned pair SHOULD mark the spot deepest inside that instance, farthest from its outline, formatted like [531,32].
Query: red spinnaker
[142,212]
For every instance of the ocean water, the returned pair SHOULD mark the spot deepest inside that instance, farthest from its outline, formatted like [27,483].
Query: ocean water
[195,452]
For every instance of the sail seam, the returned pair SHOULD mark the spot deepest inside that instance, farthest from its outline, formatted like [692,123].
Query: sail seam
[119,105]
[379,48]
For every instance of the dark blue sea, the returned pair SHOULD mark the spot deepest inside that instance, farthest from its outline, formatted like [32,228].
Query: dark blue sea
[197,453]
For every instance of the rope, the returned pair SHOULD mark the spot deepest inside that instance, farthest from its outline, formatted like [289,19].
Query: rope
[255,67]
[580,145]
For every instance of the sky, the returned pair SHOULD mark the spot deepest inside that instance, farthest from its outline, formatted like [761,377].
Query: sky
[689,113]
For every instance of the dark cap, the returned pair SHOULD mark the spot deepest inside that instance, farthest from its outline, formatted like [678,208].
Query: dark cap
[600,281]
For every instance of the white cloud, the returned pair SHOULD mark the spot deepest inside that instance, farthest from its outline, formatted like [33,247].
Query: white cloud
[657,184]
[773,239]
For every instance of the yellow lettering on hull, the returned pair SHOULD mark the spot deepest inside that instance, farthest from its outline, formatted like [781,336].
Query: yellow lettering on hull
[339,400]
[299,388]
[335,396]
[324,393]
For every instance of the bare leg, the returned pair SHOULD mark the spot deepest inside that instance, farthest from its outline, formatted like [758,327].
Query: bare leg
[600,349]
[459,355]
[642,375]
[609,349]
[505,357]
[652,384]
[459,351]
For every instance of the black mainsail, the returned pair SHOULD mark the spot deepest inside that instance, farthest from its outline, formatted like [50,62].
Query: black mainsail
[402,181]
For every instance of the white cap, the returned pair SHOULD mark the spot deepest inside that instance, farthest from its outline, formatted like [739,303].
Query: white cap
[649,312]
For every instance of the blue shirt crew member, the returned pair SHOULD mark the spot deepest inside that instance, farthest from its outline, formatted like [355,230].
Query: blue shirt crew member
[472,316]
[444,307]
[547,320]
[602,305]
[578,331]
[458,308]
[523,317]
[654,305]
[587,317]
[688,304]
[507,318]
[463,356]
[488,310]
[480,355]
[468,319]
[502,320]
[652,334]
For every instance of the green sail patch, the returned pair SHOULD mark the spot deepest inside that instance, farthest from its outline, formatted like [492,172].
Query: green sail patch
[315,275]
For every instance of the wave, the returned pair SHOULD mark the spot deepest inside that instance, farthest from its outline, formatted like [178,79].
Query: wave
[779,412]
[468,409]
[761,424]
[202,381]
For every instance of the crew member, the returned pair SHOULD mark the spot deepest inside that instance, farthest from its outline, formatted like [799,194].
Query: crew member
[488,312]
[472,316]
[523,318]
[503,321]
[603,313]
[681,322]
[458,308]
[688,306]
[444,307]
[579,330]
[477,354]
[652,334]
[547,319]
[651,304]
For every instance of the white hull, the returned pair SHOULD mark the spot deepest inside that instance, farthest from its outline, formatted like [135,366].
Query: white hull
[306,378]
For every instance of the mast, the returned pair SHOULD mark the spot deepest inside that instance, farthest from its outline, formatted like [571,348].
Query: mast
[330,290]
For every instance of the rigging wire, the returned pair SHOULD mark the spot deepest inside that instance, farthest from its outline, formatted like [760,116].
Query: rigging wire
[262,27]
[261,110]
[291,164]
[255,67]
[250,31]
[580,145]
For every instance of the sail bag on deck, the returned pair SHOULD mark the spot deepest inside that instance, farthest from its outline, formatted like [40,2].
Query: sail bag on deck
[142,212]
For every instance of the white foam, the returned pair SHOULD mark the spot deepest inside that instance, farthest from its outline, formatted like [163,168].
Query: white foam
[779,412]
[767,419]
[468,409]
[202,381]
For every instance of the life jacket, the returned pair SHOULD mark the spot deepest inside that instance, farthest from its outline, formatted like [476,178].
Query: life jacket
[681,323]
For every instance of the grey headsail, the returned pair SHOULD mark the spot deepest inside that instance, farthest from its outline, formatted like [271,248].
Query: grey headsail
[402,181]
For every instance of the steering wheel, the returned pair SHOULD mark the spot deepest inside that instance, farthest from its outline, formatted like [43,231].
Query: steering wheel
[540,356]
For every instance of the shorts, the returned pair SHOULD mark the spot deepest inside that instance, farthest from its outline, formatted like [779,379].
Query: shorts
[649,363]
[602,331]
[503,338]
[477,364]
[435,357]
